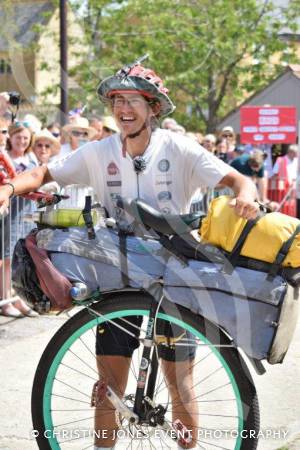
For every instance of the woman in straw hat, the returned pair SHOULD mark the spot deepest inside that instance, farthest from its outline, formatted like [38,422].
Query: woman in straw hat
[76,134]
[45,146]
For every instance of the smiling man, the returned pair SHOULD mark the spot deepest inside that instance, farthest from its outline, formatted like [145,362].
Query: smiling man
[164,169]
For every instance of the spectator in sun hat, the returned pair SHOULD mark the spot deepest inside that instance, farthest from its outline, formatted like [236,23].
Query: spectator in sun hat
[76,134]
[228,135]
[109,127]
[45,146]
[209,142]
[169,123]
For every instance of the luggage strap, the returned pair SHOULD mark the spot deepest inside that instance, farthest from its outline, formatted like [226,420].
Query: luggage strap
[232,259]
[123,256]
[87,217]
[281,255]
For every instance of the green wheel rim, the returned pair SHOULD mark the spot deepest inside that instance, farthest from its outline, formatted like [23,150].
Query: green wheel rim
[114,315]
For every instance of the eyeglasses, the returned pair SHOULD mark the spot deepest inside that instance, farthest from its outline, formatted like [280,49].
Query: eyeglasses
[40,145]
[77,133]
[133,102]
[4,131]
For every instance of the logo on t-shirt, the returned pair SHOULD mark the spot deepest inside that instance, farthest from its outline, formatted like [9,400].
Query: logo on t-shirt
[112,168]
[162,182]
[164,165]
[164,196]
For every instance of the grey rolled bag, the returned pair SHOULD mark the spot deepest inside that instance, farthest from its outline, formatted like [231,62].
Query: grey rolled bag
[101,263]
[259,314]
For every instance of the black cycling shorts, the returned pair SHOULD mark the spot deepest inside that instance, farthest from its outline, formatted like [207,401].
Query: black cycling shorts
[112,341]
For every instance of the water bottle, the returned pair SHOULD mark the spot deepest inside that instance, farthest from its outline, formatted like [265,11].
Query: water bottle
[80,291]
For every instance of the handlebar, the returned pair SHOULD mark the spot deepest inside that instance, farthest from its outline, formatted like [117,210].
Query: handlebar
[8,172]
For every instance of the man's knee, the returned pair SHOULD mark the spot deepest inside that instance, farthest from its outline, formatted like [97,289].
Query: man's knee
[114,371]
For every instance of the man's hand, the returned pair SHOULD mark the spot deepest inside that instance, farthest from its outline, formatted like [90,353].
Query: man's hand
[245,208]
[4,102]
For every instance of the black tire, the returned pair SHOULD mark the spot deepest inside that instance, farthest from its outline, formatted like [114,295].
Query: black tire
[54,363]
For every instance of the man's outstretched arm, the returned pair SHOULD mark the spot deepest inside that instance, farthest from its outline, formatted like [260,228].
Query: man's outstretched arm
[23,183]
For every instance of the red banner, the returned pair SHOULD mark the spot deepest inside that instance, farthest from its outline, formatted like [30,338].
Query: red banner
[268,124]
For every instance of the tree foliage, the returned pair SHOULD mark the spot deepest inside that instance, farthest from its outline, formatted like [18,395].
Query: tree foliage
[211,54]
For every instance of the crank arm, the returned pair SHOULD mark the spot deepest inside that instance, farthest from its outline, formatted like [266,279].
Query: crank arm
[120,406]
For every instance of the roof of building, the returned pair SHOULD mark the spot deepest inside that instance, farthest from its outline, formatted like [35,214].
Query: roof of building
[18,19]
[282,91]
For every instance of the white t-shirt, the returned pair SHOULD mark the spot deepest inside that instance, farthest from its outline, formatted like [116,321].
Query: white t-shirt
[176,167]
[291,167]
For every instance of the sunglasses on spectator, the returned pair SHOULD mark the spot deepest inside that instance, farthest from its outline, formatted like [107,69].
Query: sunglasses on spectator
[77,133]
[4,131]
[41,145]
[22,124]
[55,134]
[227,135]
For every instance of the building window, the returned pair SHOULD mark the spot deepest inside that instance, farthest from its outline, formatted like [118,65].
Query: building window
[2,66]
[5,67]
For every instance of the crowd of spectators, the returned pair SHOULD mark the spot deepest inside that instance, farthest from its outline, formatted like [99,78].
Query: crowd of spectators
[256,162]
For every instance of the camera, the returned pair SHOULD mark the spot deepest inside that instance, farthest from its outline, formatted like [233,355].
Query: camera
[14,98]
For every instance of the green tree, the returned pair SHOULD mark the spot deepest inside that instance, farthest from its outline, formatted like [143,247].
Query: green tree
[212,53]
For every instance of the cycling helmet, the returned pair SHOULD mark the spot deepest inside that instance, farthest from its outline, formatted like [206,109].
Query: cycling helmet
[136,78]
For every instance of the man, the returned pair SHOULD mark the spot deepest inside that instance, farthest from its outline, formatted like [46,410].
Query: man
[173,169]
[252,165]
[286,167]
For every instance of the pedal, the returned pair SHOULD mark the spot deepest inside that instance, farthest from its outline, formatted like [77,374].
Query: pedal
[98,393]
[183,434]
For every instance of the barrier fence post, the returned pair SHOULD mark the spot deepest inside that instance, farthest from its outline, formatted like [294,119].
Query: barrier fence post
[298,175]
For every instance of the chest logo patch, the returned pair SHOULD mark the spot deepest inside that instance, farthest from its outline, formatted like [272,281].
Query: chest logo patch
[112,169]
[164,196]
[164,165]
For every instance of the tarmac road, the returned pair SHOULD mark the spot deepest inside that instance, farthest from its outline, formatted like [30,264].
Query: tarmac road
[23,340]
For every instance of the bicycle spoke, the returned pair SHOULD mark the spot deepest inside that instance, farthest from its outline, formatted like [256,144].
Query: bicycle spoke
[73,421]
[72,387]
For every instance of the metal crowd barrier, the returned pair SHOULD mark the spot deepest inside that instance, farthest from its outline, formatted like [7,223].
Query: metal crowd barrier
[13,227]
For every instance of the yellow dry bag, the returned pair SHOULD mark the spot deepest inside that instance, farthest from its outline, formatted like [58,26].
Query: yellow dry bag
[222,228]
